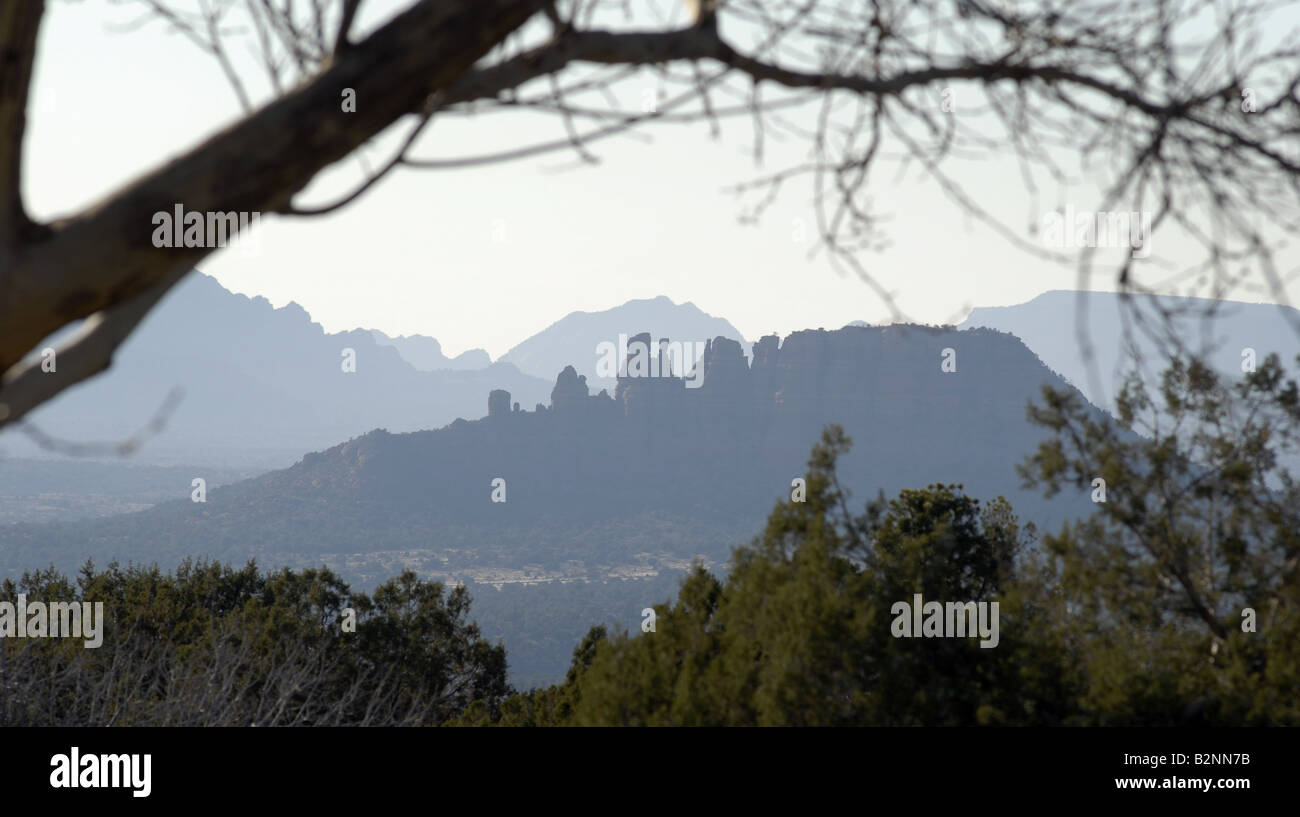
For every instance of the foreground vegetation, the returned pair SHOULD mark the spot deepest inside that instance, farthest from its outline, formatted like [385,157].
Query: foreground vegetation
[211,645]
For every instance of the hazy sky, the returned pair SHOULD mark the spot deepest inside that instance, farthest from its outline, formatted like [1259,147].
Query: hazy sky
[417,255]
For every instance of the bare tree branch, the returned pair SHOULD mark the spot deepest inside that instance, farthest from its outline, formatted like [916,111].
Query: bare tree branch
[120,448]
[341,41]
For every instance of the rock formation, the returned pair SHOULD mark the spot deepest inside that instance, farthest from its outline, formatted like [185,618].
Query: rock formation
[498,403]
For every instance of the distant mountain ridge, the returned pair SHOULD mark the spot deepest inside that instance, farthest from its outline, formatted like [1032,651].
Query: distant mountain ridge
[425,353]
[261,386]
[1048,324]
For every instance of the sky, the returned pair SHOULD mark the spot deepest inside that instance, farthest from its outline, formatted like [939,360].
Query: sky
[486,257]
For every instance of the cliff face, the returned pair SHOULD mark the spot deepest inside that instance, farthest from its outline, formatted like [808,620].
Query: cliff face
[881,376]
[922,404]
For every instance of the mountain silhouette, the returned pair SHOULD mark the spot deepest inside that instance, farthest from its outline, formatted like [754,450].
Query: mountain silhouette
[261,386]
[425,353]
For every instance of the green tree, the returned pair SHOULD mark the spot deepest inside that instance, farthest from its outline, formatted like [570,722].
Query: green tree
[1201,521]
[552,706]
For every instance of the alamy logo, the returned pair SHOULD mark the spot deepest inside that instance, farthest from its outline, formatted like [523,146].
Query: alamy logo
[77,771]
[192,228]
[57,619]
[953,620]
[664,359]
[1071,230]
